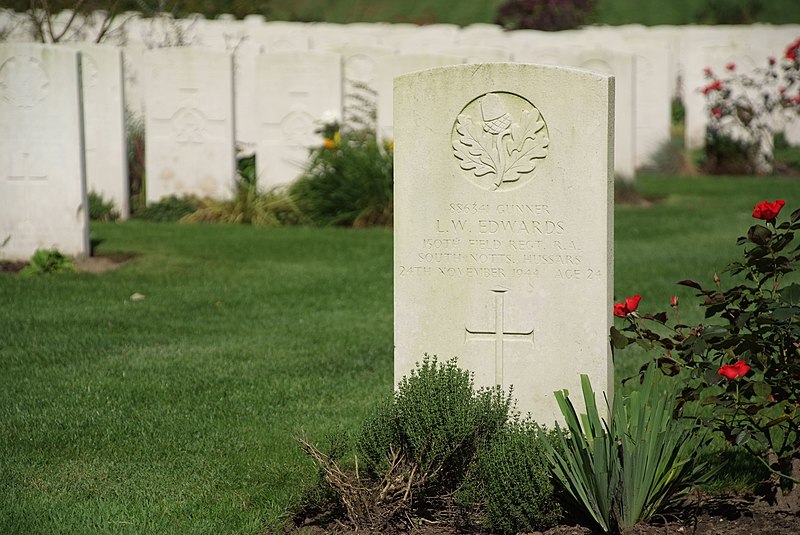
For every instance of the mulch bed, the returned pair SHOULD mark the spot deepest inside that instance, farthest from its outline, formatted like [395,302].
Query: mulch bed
[730,515]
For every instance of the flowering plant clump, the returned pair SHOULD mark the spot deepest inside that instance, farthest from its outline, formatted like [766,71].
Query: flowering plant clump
[741,372]
[348,178]
[747,109]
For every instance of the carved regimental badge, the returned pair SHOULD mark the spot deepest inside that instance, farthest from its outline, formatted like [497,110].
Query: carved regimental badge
[498,139]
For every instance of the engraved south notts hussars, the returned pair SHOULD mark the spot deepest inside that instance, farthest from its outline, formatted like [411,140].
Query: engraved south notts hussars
[498,139]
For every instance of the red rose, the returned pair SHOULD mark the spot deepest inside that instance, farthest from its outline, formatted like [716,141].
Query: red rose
[630,305]
[768,210]
[734,371]
[791,51]
[716,112]
[731,66]
[673,301]
[716,85]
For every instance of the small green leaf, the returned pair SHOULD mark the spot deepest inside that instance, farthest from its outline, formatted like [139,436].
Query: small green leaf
[691,284]
[785,313]
[618,340]
[762,390]
[791,294]
[742,437]
[759,234]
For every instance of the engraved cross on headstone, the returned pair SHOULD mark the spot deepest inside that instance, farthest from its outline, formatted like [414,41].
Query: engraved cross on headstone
[23,166]
[499,334]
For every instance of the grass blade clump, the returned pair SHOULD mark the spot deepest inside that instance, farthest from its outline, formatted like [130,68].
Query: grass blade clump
[627,472]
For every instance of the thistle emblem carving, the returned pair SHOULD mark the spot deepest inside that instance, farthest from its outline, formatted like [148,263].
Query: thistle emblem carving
[498,139]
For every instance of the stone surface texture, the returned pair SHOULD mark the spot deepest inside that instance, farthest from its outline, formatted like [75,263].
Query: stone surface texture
[189,123]
[504,226]
[42,173]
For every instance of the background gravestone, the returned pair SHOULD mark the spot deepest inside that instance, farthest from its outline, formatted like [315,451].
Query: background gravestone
[42,179]
[295,90]
[104,124]
[189,123]
[503,226]
[387,71]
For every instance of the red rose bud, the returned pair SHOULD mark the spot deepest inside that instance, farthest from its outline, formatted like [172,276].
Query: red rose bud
[630,305]
[716,112]
[734,371]
[673,301]
[731,66]
[768,210]
[771,60]
[716,85]
[707,71]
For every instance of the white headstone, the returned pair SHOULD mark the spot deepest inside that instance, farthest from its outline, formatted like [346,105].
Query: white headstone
[189,123]
[104,124]
[623,67]
[246,93]
[296,89]
[653,100]
[503,226]
[42,179]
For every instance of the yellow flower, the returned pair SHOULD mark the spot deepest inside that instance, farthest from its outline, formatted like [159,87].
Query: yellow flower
[331,144]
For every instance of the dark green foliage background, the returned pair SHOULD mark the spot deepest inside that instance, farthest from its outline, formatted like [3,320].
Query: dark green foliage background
[462,13]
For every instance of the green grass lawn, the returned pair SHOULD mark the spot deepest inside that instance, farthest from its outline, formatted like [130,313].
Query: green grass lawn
[176,413]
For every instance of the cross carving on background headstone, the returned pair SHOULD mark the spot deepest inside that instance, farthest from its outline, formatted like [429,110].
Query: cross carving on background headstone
[499,334]
[23,166]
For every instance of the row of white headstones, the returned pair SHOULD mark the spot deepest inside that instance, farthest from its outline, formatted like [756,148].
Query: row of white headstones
[269,94]
[504,179]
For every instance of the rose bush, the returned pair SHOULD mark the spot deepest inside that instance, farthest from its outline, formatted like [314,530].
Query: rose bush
[741,371]
[746,110]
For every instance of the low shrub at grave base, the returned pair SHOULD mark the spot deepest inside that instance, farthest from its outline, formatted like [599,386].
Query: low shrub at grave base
[629,469]
[250,207]
[169,209]
[48,262]
[101,209]
[509,487]
[438,450]
[348,181]
[741,372]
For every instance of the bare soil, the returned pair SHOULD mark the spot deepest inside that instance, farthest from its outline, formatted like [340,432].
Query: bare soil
[728,515]
[98,263]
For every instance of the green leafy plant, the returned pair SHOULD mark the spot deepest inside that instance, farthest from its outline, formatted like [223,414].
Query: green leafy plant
[348,180]
[169,209]
[101,209]
[249,206]
[744,367]
[48,262]
[626,471]
[414,451]
[510,485]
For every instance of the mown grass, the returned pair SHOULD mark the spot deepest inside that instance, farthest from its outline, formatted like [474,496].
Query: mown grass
[176,413]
